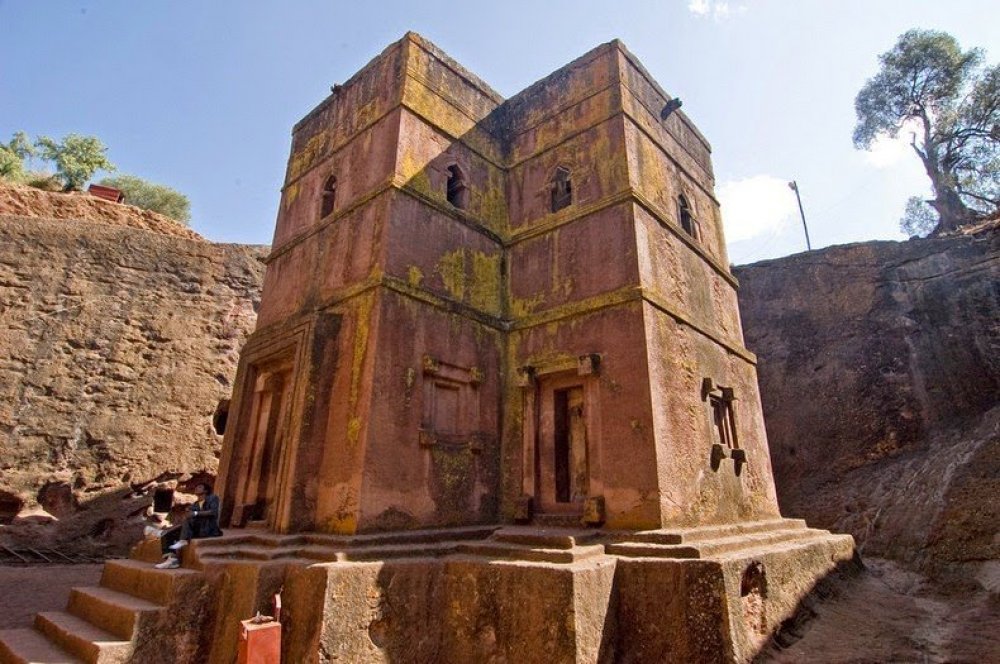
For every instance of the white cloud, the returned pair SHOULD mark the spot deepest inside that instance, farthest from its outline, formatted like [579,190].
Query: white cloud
[699,7]
[887,152]
[756,205]
[717,9]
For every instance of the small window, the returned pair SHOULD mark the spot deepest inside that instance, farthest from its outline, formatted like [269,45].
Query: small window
[329,196]
[562,189]
[754,580]
[220,417]
[724,420]
[688,222]
[721,401]
[457,191]
[163,500]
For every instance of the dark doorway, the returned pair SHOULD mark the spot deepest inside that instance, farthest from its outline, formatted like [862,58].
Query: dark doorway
[569,445]
[329,197]
[562,189]
[163,500]
[561,426]
[265,438]
[221,417]
[457,192]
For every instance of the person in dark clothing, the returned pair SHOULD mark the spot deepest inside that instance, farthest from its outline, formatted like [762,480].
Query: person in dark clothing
[203,521]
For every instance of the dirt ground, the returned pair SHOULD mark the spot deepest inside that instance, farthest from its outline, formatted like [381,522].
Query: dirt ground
[886,614]
[26,590]
[891,614]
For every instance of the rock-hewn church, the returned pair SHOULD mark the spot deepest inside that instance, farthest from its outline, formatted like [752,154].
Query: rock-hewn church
[497,406]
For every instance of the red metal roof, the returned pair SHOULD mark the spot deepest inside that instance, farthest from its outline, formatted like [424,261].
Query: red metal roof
[107,193]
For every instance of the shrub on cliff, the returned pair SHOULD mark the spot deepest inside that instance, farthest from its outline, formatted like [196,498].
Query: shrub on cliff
[42,180]
[150,196]
[12,156]
[76,158]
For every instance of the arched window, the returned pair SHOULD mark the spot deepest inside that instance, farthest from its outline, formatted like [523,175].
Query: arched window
[562,189]
[329,196]
[688,222]
[458,193]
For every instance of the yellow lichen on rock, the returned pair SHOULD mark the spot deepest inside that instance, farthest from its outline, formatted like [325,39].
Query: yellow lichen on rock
[451,267]
[304,159]
[484,287]
[414,276]
[520,307]
[291,193]
[361,333]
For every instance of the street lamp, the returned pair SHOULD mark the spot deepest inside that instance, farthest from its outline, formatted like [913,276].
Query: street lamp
[794,186]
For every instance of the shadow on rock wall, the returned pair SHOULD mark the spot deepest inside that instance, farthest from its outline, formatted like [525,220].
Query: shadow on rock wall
[879,366]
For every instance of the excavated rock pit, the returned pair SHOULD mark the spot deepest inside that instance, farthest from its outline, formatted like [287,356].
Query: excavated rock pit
[879,366]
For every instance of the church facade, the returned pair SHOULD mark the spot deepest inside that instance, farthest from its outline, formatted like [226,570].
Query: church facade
[480,310]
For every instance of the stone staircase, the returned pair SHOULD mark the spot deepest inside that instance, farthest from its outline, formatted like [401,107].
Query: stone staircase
[534,544]
[713,541]
[525,543]
[100,624]
[310,548]
[122,619]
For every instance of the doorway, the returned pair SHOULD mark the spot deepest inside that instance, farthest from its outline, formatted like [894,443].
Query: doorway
[268,430]
[563,459]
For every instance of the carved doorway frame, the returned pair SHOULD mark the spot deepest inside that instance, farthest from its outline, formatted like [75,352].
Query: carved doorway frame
[268,437]
[540,382]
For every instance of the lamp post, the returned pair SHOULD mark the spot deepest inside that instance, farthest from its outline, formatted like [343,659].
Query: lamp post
[794,186]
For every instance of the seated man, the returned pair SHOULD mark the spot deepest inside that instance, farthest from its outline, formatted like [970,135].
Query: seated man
[203,521]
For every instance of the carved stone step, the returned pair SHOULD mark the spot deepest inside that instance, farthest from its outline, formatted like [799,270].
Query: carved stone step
[84,640]
[813,537]
[141,579]
[692,535]
[414,550]
[258,539]
[115,612]
[544,520]
[247,552]
[28,646]
[399,538]
[549,538]
[715,547]
[722,545]
[704,533]
[509,551]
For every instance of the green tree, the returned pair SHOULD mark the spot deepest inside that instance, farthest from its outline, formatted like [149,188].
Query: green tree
[12,156]
[150,196]
[951,105]
[76,158]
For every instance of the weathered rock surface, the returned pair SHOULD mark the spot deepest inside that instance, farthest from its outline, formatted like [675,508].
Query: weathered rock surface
[880,377]
[22,201]
[116,345]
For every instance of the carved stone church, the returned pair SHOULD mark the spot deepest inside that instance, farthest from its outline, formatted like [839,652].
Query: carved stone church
[497,406]
[481,311]
[490,312]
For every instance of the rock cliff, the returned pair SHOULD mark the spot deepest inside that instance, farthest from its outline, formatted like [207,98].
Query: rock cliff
[119,335]
[880,378]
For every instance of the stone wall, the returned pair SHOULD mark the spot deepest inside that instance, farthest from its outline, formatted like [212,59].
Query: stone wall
[117,343]
[880,376]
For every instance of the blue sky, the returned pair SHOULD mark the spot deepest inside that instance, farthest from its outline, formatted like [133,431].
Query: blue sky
[202,95]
